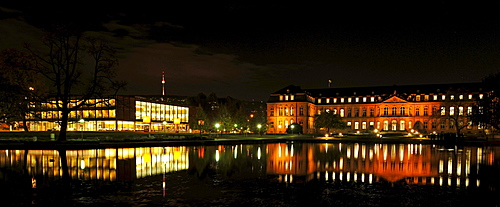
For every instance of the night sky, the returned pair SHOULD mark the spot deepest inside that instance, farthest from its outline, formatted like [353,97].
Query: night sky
[249,49]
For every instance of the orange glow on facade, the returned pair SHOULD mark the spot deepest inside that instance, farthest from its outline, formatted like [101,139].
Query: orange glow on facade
[423,108]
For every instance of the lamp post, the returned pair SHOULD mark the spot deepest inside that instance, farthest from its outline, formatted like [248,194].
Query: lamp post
[259,126]
[292,126]
[217,125]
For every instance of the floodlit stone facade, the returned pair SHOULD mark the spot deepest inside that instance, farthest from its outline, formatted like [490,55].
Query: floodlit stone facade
[433,108]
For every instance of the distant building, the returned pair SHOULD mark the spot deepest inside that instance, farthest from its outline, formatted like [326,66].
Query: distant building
[119,113]
[433,108]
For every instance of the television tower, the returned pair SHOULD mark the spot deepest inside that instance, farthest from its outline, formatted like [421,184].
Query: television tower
[163,83]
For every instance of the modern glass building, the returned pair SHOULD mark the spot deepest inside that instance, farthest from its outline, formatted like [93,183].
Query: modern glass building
[120,113]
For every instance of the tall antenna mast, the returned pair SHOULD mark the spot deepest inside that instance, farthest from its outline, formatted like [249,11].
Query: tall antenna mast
[163,83]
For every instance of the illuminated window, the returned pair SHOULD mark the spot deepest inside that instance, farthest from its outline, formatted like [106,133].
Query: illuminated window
[341,100]
[435,97]
[461,97]
[281,98]
[386,125]
[426,97]
[470,96]
[291,110]
[443,97]
[335,100]
[480,96]
[357,99]
[452,97]
[394,125]
[469,110]
[356,125]
[363,125]
[460,110]
[443,110]
[349,123]
[319,100]
[328,100]
[372,99]
[364,99]
[402,125]
[292,97]
[349,99]
[341,112]
[418,98]
[452,110]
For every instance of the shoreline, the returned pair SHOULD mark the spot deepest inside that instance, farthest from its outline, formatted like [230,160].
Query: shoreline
[129,140]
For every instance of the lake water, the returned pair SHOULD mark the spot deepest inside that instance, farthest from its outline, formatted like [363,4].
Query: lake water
[276,174]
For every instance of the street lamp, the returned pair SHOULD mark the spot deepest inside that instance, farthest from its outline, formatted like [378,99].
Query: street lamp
[292,126]
[259,126]
[217,125]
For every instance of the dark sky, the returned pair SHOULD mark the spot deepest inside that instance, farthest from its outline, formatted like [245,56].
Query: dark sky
[248,49]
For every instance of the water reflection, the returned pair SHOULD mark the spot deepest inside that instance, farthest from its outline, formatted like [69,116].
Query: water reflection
[284,162]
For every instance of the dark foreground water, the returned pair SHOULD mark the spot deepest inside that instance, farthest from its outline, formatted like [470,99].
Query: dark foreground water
[280,174]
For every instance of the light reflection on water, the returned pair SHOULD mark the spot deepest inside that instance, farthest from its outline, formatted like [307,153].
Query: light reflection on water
[292,163]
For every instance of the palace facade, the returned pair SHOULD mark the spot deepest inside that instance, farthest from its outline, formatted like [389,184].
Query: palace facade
[119,113]
[432,108]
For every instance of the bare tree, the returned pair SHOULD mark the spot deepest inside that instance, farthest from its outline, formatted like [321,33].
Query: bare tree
[20,86]
[77,69]
[456,111]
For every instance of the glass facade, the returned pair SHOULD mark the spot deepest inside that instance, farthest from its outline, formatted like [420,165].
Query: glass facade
[114,114]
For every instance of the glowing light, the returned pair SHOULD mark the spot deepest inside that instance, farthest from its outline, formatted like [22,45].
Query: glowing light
[217,155]
[258,153]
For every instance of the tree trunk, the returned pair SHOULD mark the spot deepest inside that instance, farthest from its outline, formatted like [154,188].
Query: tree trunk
[25,126]
[64,126]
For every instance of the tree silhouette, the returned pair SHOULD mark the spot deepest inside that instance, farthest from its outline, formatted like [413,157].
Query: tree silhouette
[327,119]
[77,68]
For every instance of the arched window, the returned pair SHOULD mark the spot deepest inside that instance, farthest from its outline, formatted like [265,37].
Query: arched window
[386,111]
[394,110]
[394,125]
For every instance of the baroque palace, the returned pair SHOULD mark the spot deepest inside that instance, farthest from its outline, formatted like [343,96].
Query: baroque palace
[432,108]
[119,113]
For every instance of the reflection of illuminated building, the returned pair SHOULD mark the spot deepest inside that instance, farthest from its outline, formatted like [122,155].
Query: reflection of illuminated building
[122,113]
[98,164]
[384,108]
[290,162]
[412,163]
[285,160]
